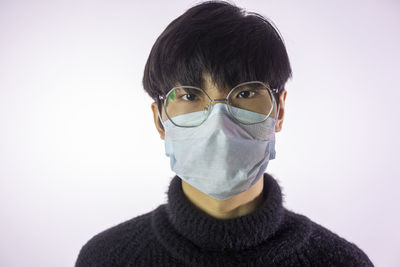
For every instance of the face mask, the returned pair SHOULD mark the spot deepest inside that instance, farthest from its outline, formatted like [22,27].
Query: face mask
[221,157]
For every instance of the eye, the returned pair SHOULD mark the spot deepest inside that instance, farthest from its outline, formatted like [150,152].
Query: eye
[245,94]
[189,97]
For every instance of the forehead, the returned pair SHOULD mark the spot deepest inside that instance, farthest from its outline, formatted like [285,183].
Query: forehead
[209,85]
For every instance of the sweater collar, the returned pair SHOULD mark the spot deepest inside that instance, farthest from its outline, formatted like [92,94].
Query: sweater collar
[228,234]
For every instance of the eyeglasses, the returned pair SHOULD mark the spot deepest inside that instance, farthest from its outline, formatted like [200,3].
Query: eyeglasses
[189,106]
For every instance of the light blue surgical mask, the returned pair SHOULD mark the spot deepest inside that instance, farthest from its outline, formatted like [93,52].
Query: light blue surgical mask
[221,157]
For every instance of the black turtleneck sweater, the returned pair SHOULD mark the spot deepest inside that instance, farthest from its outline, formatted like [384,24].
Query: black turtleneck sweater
[179,234]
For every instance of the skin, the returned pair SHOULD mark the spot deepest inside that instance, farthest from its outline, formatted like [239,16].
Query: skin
[241,204]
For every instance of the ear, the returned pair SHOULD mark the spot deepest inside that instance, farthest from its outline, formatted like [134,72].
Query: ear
[282,99]
[157,122]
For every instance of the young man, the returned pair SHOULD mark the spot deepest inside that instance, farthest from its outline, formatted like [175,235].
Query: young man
[217,76]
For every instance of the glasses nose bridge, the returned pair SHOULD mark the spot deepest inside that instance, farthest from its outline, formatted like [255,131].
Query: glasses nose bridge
[218,93]
[219,99]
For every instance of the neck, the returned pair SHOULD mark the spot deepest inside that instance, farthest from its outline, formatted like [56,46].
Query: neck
[236,206]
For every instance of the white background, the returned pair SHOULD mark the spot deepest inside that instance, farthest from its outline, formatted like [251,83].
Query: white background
[79,152]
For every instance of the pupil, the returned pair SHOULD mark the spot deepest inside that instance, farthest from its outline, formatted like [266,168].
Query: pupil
[244,93]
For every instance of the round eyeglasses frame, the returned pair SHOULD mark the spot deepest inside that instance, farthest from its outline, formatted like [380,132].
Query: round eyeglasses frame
[226,99]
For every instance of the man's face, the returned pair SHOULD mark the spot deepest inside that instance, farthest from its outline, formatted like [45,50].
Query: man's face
[215,93]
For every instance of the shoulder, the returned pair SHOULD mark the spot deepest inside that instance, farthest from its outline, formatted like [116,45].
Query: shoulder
[112,246]
[326,248]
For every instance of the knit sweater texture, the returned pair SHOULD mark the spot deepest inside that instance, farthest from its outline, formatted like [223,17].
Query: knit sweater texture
[177,233]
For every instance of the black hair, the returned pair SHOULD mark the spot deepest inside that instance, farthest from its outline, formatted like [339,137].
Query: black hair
[221,39]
